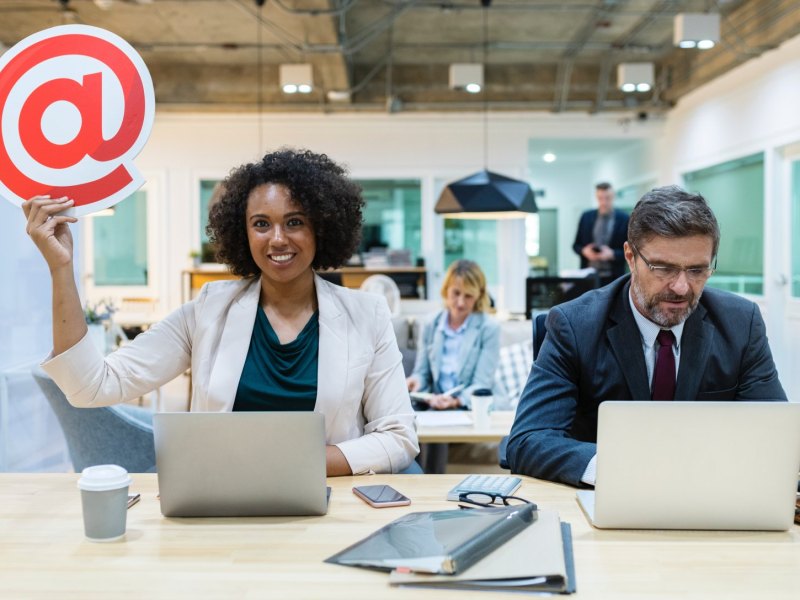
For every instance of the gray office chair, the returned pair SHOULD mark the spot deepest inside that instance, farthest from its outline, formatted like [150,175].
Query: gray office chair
[121,435]
[539,331]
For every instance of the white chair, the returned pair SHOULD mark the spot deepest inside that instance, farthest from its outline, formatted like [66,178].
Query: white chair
[386,287]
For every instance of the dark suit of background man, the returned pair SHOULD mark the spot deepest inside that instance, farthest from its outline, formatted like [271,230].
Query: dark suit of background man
[603,345]
[601,234]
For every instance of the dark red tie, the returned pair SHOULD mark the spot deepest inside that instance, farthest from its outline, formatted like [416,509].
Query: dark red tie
[664,373]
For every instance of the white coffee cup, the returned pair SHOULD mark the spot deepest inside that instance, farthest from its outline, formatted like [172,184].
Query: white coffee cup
[104,497]
[481,401]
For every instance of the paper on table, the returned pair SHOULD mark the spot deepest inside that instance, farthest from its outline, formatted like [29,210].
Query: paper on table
[443,418]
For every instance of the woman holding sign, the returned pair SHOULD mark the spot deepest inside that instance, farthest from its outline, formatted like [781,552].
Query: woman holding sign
[280,338]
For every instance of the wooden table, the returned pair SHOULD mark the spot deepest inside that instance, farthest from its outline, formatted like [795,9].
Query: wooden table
[43,553]
[500,426]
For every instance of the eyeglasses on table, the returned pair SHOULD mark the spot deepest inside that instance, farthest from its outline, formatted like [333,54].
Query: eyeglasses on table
[468,500]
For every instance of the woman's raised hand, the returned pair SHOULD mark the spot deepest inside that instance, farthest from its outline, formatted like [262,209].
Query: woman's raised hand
[49,230]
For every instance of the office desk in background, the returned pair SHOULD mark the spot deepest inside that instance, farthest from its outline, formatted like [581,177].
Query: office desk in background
[412,281]
[500,426]
[43,553]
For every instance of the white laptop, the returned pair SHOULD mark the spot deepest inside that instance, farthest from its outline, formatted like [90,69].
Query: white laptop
[241,464]
[695,465]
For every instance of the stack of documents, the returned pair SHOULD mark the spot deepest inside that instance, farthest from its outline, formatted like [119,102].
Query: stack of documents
[513,548]
[539,558]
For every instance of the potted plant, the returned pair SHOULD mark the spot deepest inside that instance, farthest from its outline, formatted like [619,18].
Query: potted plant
[195,256]
[98,318]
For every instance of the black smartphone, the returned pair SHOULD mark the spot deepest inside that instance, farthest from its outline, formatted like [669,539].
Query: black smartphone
[133,499]
[596,248]
[381,496]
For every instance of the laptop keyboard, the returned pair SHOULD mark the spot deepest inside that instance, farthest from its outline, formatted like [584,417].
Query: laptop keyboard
[490,484]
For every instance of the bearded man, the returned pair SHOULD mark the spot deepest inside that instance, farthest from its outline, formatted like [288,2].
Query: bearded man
[655,334]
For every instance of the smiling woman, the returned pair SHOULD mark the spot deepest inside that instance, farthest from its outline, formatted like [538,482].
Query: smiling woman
[279,339]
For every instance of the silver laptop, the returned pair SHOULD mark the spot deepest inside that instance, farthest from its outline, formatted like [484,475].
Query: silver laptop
[695,465]
[241,464]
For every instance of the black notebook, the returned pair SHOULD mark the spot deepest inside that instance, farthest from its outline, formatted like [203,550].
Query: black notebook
[445,542]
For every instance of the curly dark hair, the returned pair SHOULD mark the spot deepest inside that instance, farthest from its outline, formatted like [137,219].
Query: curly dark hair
[331,201]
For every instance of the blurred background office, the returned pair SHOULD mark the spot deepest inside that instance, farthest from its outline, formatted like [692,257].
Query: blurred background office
[722,121]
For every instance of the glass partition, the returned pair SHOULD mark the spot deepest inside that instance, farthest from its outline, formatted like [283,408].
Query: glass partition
[392,218]
[796,229]
[120,244]
[735,192]
[472,239]
[207,250]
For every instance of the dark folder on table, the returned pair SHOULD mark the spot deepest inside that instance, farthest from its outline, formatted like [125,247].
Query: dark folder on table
[446,542]
[538,559]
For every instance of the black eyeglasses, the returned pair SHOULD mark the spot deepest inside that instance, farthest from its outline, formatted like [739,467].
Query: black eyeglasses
[487,499]
[671,272]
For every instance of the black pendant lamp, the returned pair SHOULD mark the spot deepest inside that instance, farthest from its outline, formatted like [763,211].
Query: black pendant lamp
[486,195]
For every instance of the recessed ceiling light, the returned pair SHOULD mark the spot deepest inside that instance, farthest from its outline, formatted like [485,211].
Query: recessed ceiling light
[298,77]
[548,157]
[696,30]
[473,88]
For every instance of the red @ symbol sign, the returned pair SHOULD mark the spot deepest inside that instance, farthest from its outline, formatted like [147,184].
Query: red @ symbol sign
[76,107]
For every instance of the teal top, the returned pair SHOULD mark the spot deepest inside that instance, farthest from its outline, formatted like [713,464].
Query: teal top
[279,376]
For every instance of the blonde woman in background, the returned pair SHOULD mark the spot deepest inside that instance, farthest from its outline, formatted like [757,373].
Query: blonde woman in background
[460,345]
[458,353]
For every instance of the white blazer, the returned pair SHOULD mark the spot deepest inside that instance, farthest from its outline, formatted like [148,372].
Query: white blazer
[361,388]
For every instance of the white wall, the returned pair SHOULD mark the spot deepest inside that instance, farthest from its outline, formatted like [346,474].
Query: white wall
[569,188]
[635,164]
[751,109]
[25,303]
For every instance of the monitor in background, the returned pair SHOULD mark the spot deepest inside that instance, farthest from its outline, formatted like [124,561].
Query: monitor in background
[695,465]
[542,293]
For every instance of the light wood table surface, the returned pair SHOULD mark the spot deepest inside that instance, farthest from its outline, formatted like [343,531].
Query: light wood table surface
[499,427]
[43,553]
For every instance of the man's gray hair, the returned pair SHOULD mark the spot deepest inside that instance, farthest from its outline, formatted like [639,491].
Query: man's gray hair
[672,212]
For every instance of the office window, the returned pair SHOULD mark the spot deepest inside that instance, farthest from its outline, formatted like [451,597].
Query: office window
[735,192]
[796,228]
[472,239]
[207,250]
[392,216]
[120,244]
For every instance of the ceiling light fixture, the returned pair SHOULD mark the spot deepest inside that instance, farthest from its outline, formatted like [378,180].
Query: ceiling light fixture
[696,30]
[296,78]
[485,195]
[635,77]
[549,157]
[466,76]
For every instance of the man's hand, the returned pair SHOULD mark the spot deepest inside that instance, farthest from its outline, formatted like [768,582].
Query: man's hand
[605,254]
[589,253]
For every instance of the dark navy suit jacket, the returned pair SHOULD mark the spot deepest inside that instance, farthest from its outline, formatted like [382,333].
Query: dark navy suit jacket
[619,235]
[593,352]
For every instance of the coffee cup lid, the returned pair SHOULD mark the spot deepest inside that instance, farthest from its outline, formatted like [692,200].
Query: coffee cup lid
[101,478]
[482,392]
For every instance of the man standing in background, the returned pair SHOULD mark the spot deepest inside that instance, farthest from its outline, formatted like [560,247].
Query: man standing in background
[601,235]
